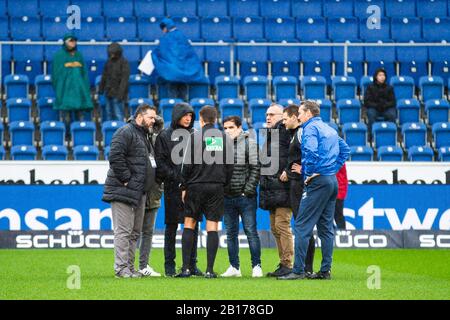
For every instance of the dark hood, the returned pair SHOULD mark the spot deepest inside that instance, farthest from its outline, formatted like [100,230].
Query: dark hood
[68,36]
[180,110]
[114,49]
[375,77]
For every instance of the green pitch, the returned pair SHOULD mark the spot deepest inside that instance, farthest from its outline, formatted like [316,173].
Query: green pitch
[405,274]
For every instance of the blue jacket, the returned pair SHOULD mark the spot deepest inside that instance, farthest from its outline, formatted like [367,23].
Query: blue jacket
[323,151]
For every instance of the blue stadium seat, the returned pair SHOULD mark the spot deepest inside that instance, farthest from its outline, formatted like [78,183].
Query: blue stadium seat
[361,8]
[256,87]
[287,102]
[414,134]
[218,61]
[106,152]
[314,87]
[133,55]
[25,28]
[307,9]
[166,106]
[190,26]
[83,133]
[3,9]
[279,29]
[212,8]
[248,29]
[52,133]
[22,133]
[361,153]
[28,60]
[138,87]
[338,8]
[93,29]
[90,8]
[364,83]
[45,110]
[275,8]
[355,62]
[285,60]
[54,153]
[54,8]
[440,62]
[4,28]
[413,62]
[85,153]
[226,87]
[431,88]
[95,58]
[380,57]
[444,154]
[325,109]
[181,8]
[420,153]
[406,29]
[403,87]
[344,87]
[199,90]
[244,8]
[436,29]
[108,130]
[149,8]
[2,153]
[431,8]
[348,110]
[311,29]
[437,111]
[136,102]
[16,86]
[216,29]
[19,109]
[54,28]
[43,86]
[23,152]
[148,28]
[441,134]
[408,111]
[400,8]
[257,109]
[343,29]
[231,107]
[382,34]
[118,8]
[285,87]
[119,29]
[316,61]
[199,103]
[355,133]
[20,8]
[2,131]
[390,153]
[385,134]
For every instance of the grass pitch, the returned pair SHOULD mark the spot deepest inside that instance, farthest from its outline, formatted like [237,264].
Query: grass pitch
[405,274]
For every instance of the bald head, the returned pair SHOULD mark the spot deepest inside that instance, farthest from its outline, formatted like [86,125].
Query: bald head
[274,115]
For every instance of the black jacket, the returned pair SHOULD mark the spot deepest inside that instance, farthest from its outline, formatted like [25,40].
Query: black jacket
[294,155]
[379,96]
[129,163]
[274,193]
[114,83]
[246,169]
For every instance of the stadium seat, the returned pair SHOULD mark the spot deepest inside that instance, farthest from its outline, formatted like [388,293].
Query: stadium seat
[285,87]
[256,87]
[166,106]
[231,107]
[338,8]
[257,109]
[25,28]
[385,134]
[381,57]
[46,111]
[19,109]
[413,62]
[199,90]
[361,153]
[54,8]
[120,29]
[362,6]
[106,152]
[400,8]
[431,8]
[437,111]
[190,26]
[138,87]
[85,153]
[279,29]
[22,133]
[4,28]
[444,154]
[90,8]
[95,58]
[16,86]
[343,29]
[108,130]
[83,133]
[364,83]
[133,55]
[431,88]
[136,102]
[149,8]
[44,87]
[403,87]
[414,134]
[325,109]
[420,153]
[52,133]
[441,134]
[199,103]
[93,29]
[285,60]
[311,29]
[28,60]
[118,8]
[275,8]
[375,34]
[408,111]
[436,29]
[54,153]
[216,29]
[148,28]
[218,61]
[244,8]
[2,153]
[348,110]
[343,87]
[54,28]
[390,153]
[226,87]
[307,9]
[355,133]
[248,29]
[406,29]
[316,61]
[313,87]
[212,8]
[23,152]
[20,8]
[2,131]
[355,61]
[287,102]
[181,8]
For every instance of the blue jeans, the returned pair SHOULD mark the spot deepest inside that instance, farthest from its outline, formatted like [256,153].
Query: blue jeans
[316,208]
[114,109]
[177,90]
[245,208]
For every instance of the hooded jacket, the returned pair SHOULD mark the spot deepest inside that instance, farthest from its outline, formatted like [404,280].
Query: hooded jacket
[114,82]
[379,96]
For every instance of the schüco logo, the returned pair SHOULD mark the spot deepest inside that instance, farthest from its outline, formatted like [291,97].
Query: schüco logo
[434,241]
[345,239]
[73,239]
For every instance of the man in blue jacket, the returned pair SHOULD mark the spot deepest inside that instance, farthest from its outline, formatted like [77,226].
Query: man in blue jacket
[323,154]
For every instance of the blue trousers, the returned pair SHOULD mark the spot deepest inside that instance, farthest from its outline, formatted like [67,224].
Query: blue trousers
[316,208]
[114,109]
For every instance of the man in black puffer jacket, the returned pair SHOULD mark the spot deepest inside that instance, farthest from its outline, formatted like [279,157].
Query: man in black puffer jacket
[131,175]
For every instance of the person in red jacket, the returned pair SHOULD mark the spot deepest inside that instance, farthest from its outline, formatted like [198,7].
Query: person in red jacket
[342,194]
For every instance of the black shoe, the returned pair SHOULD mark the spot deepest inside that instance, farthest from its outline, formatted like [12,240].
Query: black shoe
[196,272]
[170,273]
[270,274]
[309,274]
[210,275]
[280,272]
[184,274]
[321,275]
[293,276]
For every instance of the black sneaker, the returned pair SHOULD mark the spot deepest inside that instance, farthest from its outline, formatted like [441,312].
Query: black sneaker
[292,276]
[210,275]
[196,272]
[184,274]
[321,275]
[270,274]
[309,274]
[282,271]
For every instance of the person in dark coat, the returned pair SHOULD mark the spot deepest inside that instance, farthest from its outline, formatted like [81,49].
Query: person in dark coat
[169,172]
[379,100]
[114,82]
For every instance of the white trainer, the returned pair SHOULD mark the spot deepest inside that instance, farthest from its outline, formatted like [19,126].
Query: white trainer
[257,272]
[232,272]
[149,272]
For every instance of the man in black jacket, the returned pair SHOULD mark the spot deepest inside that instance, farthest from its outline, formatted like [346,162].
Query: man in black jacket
[131,175]
[240,198]
[206,171]
[172,141]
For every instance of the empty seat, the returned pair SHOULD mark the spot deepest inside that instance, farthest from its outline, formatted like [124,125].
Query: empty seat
[199,89]
[93,29]
[444,154]
[83,133]
[4,28]
[344,87]
[252,60]
[54,28]
[325,109]
[216,29]
[119,29]
[244,8]
[181,8]
[441,134]
[212,8]
[166,106]
[343,29]
[52,133]
[364,83]
[108,130]
[437,111]
[28,60]
[361,153]
[436,29]
[190,26]
[431,8]
[20,8]
[218,61]
[316,61]
[138,87]
[380,57]
[256,87]
[44,86]
[2,129]
[338,8]
[348,110]
[355,133]
[275,8]
[420,153]
[413,62]
[54,153]
[199,103]
[25,28]
[227,87]
[408,110]
[23,152]
[390,153]
[401,8]
[85,153]
[379,30]
[366,8]
[285,60]
[431,88]
[248,29]
[231,107]
[385,134]
[285,87]
[414,134]
[106,152]
[311,29]
[16,86]
[46,111]
[53,8]
[279,29]
[257,109]
[19,109]
[403,87]
[406,29]
[118,8]
[90,8]
[287,102]
[136,102]
[22,133]
[2,153]
[355,61]
[313,87]
[148,28]
[307,8]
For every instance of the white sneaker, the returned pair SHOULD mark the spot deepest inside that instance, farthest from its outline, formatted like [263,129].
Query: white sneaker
[232,272]
[257,272]
[149,272]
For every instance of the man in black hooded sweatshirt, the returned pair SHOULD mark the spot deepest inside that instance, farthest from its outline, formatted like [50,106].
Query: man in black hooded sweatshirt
[169,171]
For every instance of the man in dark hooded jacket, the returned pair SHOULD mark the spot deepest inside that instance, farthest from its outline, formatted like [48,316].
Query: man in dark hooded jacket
[114,83]
[169,172]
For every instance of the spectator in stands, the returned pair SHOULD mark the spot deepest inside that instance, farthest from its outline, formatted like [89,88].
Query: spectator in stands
[70,81]
[176,62]
[240,198]
[274,189]
[114,83]
[342,194]
[379,100]
[131,176]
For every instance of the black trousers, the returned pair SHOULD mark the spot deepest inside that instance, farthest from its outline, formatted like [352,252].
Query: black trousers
[170,254]
[339,214]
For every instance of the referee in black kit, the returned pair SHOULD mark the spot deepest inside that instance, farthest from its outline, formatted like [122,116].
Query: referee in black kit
[205,172]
